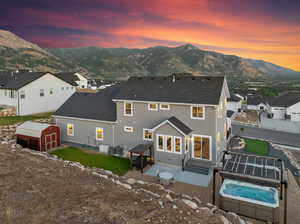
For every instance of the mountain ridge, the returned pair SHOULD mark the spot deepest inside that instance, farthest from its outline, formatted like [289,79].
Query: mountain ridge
[121,63]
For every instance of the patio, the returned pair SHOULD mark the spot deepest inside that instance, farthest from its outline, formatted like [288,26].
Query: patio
[181,176]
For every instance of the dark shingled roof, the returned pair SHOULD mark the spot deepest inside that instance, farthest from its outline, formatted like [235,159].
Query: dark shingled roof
[234,98]
[16,80]
[285,100]
[68,77]
[185,89]
[180,125]
[94,106]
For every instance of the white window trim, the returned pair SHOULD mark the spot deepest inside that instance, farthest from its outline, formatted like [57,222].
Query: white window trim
[149,108]
[165,144]
[129,115]
[100,139]
[147,139]
[174,144]
[197,118]
[68,130]
[161,108]
[210,147]
[128,127]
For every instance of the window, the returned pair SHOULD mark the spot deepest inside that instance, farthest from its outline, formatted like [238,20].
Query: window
[164,106]
[128,109]
[5,92]
[218,137]
[160,143]
[147,133]
[67,88]
[197,112]
[177,144]
[42,93]
[12,94]
[201,147]
[128,129]
[62,88]
[169,143]
[51,91]
[152,106]
[22,94]
[70,129]
[99,133]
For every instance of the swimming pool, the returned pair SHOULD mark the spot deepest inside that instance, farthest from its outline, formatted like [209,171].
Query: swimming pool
[250,200]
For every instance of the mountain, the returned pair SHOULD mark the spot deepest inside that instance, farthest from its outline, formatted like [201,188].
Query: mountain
[120,63]
[123,62]
[17,53]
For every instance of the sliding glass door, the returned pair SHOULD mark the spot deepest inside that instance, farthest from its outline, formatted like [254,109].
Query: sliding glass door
[201,147]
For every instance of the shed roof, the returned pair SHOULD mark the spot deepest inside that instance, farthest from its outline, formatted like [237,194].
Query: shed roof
[33,129]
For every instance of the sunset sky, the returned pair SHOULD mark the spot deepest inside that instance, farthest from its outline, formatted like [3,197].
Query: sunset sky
[261,29]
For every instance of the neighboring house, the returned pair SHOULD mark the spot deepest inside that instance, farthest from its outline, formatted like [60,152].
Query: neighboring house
[234,103]
[285,106]
[74,77]
[230,115]
[256,103]
[34,92]
[184,117]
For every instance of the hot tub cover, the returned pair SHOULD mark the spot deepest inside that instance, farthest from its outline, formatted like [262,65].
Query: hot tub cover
[33,129]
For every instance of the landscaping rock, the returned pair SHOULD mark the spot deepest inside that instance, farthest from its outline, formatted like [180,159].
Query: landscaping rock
[189,203]
[131,181]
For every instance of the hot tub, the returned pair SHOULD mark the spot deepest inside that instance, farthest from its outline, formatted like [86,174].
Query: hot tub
[250,200]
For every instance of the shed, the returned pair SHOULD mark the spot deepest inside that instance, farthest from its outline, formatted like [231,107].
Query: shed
[38,136]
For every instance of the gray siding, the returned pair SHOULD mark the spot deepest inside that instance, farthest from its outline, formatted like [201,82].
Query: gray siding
[85,132]
[168,157]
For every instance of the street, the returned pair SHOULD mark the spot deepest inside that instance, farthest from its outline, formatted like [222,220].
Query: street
[278,137]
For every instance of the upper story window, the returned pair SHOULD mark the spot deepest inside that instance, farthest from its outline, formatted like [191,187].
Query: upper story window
[128,129]
[42,92]
[152,106]
[51,91]
[147,134]
[197,112]
[70,129]
[164,106]
[128,109]
[62,88]
[67,88]
[99,133]
[22,94]
[12,94]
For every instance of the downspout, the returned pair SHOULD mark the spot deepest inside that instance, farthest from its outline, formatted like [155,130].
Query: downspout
[18,102]
[113,126]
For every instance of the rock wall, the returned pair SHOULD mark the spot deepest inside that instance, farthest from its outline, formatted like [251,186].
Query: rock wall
[6,111]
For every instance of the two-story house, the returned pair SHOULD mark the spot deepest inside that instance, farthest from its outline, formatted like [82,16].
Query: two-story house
[34,92]
[183,117]
[74,77]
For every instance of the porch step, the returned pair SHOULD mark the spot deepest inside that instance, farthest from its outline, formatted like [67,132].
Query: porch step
[196,168]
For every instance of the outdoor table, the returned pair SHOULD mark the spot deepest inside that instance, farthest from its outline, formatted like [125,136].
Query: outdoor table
[166,178]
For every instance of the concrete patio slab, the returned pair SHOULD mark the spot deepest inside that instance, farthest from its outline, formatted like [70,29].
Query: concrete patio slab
[181,176]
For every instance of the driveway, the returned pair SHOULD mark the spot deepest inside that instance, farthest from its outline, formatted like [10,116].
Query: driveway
[279,137]
[279,125]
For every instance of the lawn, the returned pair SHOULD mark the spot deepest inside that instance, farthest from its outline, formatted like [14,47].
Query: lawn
[115,164]
[17,119]
[256,146]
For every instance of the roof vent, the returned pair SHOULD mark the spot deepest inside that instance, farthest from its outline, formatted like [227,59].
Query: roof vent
[193,78]
[165,78]
[152,78]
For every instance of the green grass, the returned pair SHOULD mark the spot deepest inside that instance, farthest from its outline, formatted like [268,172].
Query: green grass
[115,164]
[256,146]
[17,119]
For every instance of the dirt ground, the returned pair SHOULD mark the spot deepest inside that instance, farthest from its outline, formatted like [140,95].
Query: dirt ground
[37,190]
[249,116]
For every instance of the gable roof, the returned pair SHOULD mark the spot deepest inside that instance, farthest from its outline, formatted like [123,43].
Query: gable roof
[285,100]
[94,106]
[17,80]
[177,124]
[68,77]
[234,98]
[176,89]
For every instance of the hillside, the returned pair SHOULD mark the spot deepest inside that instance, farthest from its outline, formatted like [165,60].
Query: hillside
[120,63]
[17,53]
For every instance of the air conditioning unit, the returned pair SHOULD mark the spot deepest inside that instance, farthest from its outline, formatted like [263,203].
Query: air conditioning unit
[103,148]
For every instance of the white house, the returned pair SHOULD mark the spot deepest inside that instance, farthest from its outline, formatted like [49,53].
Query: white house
[34,92]
[234,103]
[256,103]
[286,106]
[79,79]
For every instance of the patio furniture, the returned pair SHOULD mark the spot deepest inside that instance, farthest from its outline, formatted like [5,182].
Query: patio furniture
[166,178]
[141,150]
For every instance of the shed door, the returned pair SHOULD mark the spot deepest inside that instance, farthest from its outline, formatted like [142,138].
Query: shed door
[50,141]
